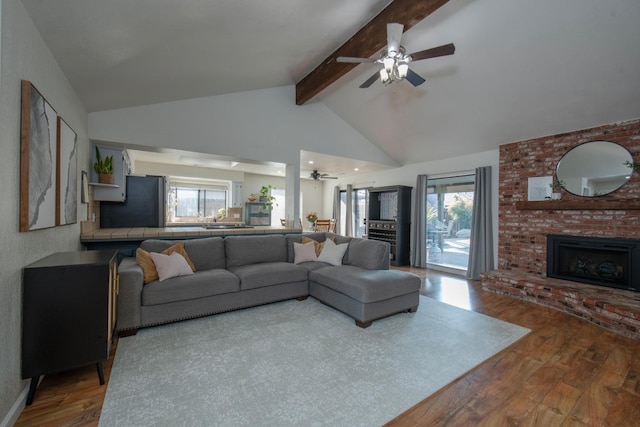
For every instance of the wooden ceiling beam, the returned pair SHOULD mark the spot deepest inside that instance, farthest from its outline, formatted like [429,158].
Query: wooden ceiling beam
[366,42]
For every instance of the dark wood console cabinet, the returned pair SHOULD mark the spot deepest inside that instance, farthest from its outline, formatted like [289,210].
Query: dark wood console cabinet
[68,313]
[390,220]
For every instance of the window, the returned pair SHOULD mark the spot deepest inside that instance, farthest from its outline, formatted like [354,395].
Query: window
[196,200]
[359,204]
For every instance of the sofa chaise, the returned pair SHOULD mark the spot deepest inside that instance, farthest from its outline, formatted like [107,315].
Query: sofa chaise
[237,272]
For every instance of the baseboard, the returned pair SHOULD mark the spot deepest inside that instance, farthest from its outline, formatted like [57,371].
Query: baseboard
[450,270]
[15,411]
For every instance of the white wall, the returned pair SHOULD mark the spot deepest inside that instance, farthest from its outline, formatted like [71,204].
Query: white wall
[24,55]
[257,125]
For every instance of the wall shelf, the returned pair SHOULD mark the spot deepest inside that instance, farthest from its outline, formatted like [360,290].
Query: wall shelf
[579,205]
[99,184]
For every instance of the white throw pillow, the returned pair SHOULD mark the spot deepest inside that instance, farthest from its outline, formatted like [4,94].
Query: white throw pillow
[169,266]
[332,253]
[304,252]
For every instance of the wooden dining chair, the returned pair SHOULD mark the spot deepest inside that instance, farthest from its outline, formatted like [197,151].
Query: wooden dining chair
[326,225]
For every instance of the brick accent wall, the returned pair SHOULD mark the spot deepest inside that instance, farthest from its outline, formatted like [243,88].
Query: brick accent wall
[522,242]
[522,233]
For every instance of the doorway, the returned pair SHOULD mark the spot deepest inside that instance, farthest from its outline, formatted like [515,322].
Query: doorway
[449,218]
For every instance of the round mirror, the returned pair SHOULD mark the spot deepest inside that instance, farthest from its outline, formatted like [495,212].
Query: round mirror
[594,168]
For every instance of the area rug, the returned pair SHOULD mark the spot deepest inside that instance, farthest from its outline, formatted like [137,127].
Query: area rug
[295,363]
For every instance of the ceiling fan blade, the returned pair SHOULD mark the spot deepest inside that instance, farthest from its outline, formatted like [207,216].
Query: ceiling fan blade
[370,81]
[394,36]
[352,59]
[447,49]
[413,78]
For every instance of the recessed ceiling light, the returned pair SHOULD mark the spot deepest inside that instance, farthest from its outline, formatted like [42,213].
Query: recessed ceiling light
[310,162]
[356,169]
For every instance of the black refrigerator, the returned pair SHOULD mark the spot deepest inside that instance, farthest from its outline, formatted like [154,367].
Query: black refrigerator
[144,205]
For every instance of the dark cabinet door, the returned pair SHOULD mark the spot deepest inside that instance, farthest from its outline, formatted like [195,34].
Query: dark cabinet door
[66,311]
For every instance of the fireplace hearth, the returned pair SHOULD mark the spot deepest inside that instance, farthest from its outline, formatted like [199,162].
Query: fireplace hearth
[611,262]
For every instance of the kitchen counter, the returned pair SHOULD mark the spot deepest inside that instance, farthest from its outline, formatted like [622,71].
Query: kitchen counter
[126,240]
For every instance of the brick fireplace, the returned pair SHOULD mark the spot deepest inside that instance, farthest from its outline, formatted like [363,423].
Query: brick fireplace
[523,228]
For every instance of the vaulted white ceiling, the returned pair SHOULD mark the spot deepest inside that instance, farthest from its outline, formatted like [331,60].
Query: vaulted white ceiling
[521,69]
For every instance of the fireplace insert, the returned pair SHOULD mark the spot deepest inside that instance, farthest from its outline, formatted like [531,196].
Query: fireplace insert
[611,262]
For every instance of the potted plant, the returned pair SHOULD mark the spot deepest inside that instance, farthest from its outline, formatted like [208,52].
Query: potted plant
[556,186]
[104,168]
[633,165]
[266,198]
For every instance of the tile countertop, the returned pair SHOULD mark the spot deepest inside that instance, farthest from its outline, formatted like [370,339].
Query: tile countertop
[121,234]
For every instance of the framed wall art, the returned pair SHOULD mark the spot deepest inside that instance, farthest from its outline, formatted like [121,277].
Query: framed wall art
[67,183]
[38,160]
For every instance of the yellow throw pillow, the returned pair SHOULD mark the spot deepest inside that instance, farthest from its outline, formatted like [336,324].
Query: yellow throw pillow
[317,244]
[149,268]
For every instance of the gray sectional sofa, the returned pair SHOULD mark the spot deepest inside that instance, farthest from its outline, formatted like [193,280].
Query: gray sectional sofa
[236,272]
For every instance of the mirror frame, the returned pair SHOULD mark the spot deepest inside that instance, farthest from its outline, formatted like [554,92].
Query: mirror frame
[580,189]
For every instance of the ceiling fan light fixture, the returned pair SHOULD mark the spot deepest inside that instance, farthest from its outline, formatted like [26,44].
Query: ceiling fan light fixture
[395,61]
[389,64]
[384,76]
[403,68]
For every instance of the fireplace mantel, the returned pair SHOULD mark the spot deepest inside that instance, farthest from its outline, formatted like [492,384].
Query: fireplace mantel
[590,204]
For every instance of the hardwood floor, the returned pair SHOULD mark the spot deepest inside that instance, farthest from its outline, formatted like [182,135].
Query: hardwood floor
[566,372]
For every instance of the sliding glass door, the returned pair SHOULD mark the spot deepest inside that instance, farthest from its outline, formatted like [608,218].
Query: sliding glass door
[449,212]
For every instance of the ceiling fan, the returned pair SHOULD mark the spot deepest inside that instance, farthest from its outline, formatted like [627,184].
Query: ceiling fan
[317,175]
[395,61]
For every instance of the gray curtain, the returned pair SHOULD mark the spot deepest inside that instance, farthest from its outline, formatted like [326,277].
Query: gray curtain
[418,254]
[481,244]
[348,229]
[336,207]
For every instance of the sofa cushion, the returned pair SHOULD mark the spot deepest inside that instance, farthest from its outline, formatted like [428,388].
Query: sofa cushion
[365,285]
[201,284]
[246,250]
[369,254]
[156,245]
[314,265]
[206,253]
[268,274]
